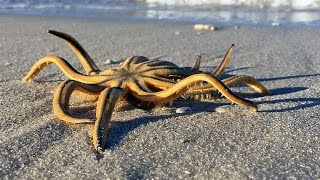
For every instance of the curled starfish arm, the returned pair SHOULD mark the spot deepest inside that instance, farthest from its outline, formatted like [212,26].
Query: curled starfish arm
[62,96]
[231,81]
[89,66]
[105,106]
[182,86]
[43,62]
[221,67]
[247,80]
[66,68]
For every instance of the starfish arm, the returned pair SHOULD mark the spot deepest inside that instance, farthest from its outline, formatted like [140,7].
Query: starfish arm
[144,86]
[86,61]
[66,68]
[219,69]
[62,96]
[154,63]
[145,63]
[165,71]
[231,81]
[158,83]
[105,106]
[247,80]
[182,86]
[158,78]
[134,60]
[196,65]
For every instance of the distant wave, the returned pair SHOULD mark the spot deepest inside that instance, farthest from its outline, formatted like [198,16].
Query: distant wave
[214,11]
[46,4]
[293,4]
[100,4]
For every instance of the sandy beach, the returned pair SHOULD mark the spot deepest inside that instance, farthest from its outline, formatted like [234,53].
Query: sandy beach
[215,140]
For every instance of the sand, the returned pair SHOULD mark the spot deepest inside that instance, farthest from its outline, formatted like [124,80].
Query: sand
[215,140]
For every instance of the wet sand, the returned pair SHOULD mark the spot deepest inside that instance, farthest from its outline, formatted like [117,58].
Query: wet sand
[216,139]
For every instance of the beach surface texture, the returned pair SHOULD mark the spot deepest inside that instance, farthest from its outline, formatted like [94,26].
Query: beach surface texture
[213,140]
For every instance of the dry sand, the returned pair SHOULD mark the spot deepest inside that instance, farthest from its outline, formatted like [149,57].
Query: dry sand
[280,141]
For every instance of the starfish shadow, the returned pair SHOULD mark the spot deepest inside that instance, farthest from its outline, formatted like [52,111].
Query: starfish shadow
[288,77]
[275,91]
[303,102]
[119,130]
[21,151]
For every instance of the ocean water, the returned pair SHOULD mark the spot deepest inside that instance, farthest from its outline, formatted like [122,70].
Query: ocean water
[230,12]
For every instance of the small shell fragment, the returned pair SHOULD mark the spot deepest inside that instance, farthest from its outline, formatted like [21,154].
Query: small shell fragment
[183,110]
[221,109]
[7,64]
[203,27]
[109,61]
